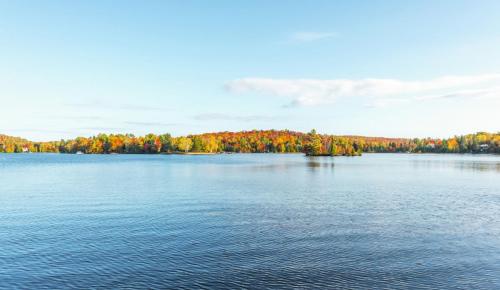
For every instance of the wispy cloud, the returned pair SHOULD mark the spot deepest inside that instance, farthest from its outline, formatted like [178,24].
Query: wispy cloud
[308,36]
[154,124]
[118,106]
[310,92]
[39,131]
[225,117]
[462,94]
[99,129]
[78,118]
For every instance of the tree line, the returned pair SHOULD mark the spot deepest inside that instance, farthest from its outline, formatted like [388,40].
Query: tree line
[256,141]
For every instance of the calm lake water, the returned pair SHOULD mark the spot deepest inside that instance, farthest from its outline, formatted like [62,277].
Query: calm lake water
[249,221]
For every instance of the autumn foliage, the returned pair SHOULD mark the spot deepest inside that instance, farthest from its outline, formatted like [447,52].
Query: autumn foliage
[256,141]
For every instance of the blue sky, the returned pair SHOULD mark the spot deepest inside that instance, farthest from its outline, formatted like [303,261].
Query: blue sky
[378,68]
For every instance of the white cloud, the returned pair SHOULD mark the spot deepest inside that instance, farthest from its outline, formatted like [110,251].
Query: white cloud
[309,92]
[308,36]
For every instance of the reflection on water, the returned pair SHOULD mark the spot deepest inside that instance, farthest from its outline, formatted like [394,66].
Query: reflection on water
[481,166]
[474,164]
[394,221]
[315,162]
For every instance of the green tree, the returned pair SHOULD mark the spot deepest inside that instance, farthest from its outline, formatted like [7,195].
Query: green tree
[333,148]
[197,144]
[166,142]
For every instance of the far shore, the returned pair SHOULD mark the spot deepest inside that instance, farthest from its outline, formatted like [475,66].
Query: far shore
[190,153]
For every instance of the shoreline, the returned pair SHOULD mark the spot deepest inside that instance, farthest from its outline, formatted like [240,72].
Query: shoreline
[257,153]
[185,153]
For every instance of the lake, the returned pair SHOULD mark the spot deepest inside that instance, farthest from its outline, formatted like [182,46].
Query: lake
[249,221]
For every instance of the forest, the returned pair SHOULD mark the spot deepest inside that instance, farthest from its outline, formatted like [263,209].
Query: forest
[256,141]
